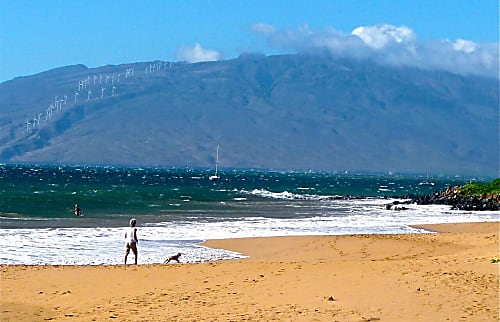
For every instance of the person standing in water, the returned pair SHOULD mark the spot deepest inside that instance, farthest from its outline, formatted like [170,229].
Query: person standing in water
[131,240]
[77,211]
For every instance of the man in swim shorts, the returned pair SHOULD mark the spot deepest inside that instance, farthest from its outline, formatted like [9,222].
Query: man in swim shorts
[131,240]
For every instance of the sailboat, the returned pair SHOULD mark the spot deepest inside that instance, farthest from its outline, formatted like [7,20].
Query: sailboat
[427,182]
[215,176]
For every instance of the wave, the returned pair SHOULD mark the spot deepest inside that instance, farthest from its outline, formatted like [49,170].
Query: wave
[286,195]
[70,245]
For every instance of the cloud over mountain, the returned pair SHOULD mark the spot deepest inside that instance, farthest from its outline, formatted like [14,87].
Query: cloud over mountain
[380,36]
[197,54]
[391,45]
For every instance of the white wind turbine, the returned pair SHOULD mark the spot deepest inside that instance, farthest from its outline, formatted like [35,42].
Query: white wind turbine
[102,92]
[76,96]
[113,90]
[89,93]
[28,123]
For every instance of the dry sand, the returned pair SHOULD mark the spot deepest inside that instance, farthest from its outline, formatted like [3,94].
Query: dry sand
[424,277]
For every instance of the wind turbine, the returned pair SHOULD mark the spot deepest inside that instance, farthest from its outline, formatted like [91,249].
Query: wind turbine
[80,85]
[95,78]
[28,123]
[65,98]
[100,79]
[89,93]
[76,96]
[113,91]
[107,77]
[102,91]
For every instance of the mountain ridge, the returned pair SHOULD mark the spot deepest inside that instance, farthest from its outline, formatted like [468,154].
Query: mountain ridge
[291,112]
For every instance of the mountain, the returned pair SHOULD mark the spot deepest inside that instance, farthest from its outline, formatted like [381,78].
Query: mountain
[287,112]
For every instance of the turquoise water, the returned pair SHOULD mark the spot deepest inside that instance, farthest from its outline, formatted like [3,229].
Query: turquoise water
[110,193]
[176,209]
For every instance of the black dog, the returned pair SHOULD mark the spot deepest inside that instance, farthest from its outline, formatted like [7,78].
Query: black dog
[173,258]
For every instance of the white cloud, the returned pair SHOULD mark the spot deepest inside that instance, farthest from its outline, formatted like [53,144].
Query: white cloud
[390,45]
[465,45]
[263,28]
[197,54]
[379,36]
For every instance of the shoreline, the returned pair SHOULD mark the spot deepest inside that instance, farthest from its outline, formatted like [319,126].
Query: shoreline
[401,277]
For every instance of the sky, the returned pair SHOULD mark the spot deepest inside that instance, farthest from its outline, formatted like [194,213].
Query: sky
[456,35]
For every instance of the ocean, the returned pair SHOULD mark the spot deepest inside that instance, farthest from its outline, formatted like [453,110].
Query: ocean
[176,209]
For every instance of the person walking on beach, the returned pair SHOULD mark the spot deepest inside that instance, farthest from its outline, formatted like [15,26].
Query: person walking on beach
[77,211]
[131,240]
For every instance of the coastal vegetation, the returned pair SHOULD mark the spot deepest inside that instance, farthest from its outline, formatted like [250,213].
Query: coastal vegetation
[481,190]
[471,196]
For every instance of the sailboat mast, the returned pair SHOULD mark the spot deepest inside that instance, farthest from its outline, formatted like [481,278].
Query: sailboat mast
[215,176]
[217,160]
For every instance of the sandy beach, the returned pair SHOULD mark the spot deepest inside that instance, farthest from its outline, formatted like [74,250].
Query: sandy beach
[447,276]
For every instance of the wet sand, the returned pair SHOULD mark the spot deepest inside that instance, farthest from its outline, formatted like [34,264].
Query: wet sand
[421,277]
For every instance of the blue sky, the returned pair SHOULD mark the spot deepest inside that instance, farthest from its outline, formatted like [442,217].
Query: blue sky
[40,35]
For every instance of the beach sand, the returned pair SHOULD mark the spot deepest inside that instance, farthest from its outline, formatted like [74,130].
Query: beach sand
[447,276]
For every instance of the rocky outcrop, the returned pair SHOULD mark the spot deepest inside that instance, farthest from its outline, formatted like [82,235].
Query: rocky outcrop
[452,197]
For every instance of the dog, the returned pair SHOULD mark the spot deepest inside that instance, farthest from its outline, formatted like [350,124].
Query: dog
[173,258]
